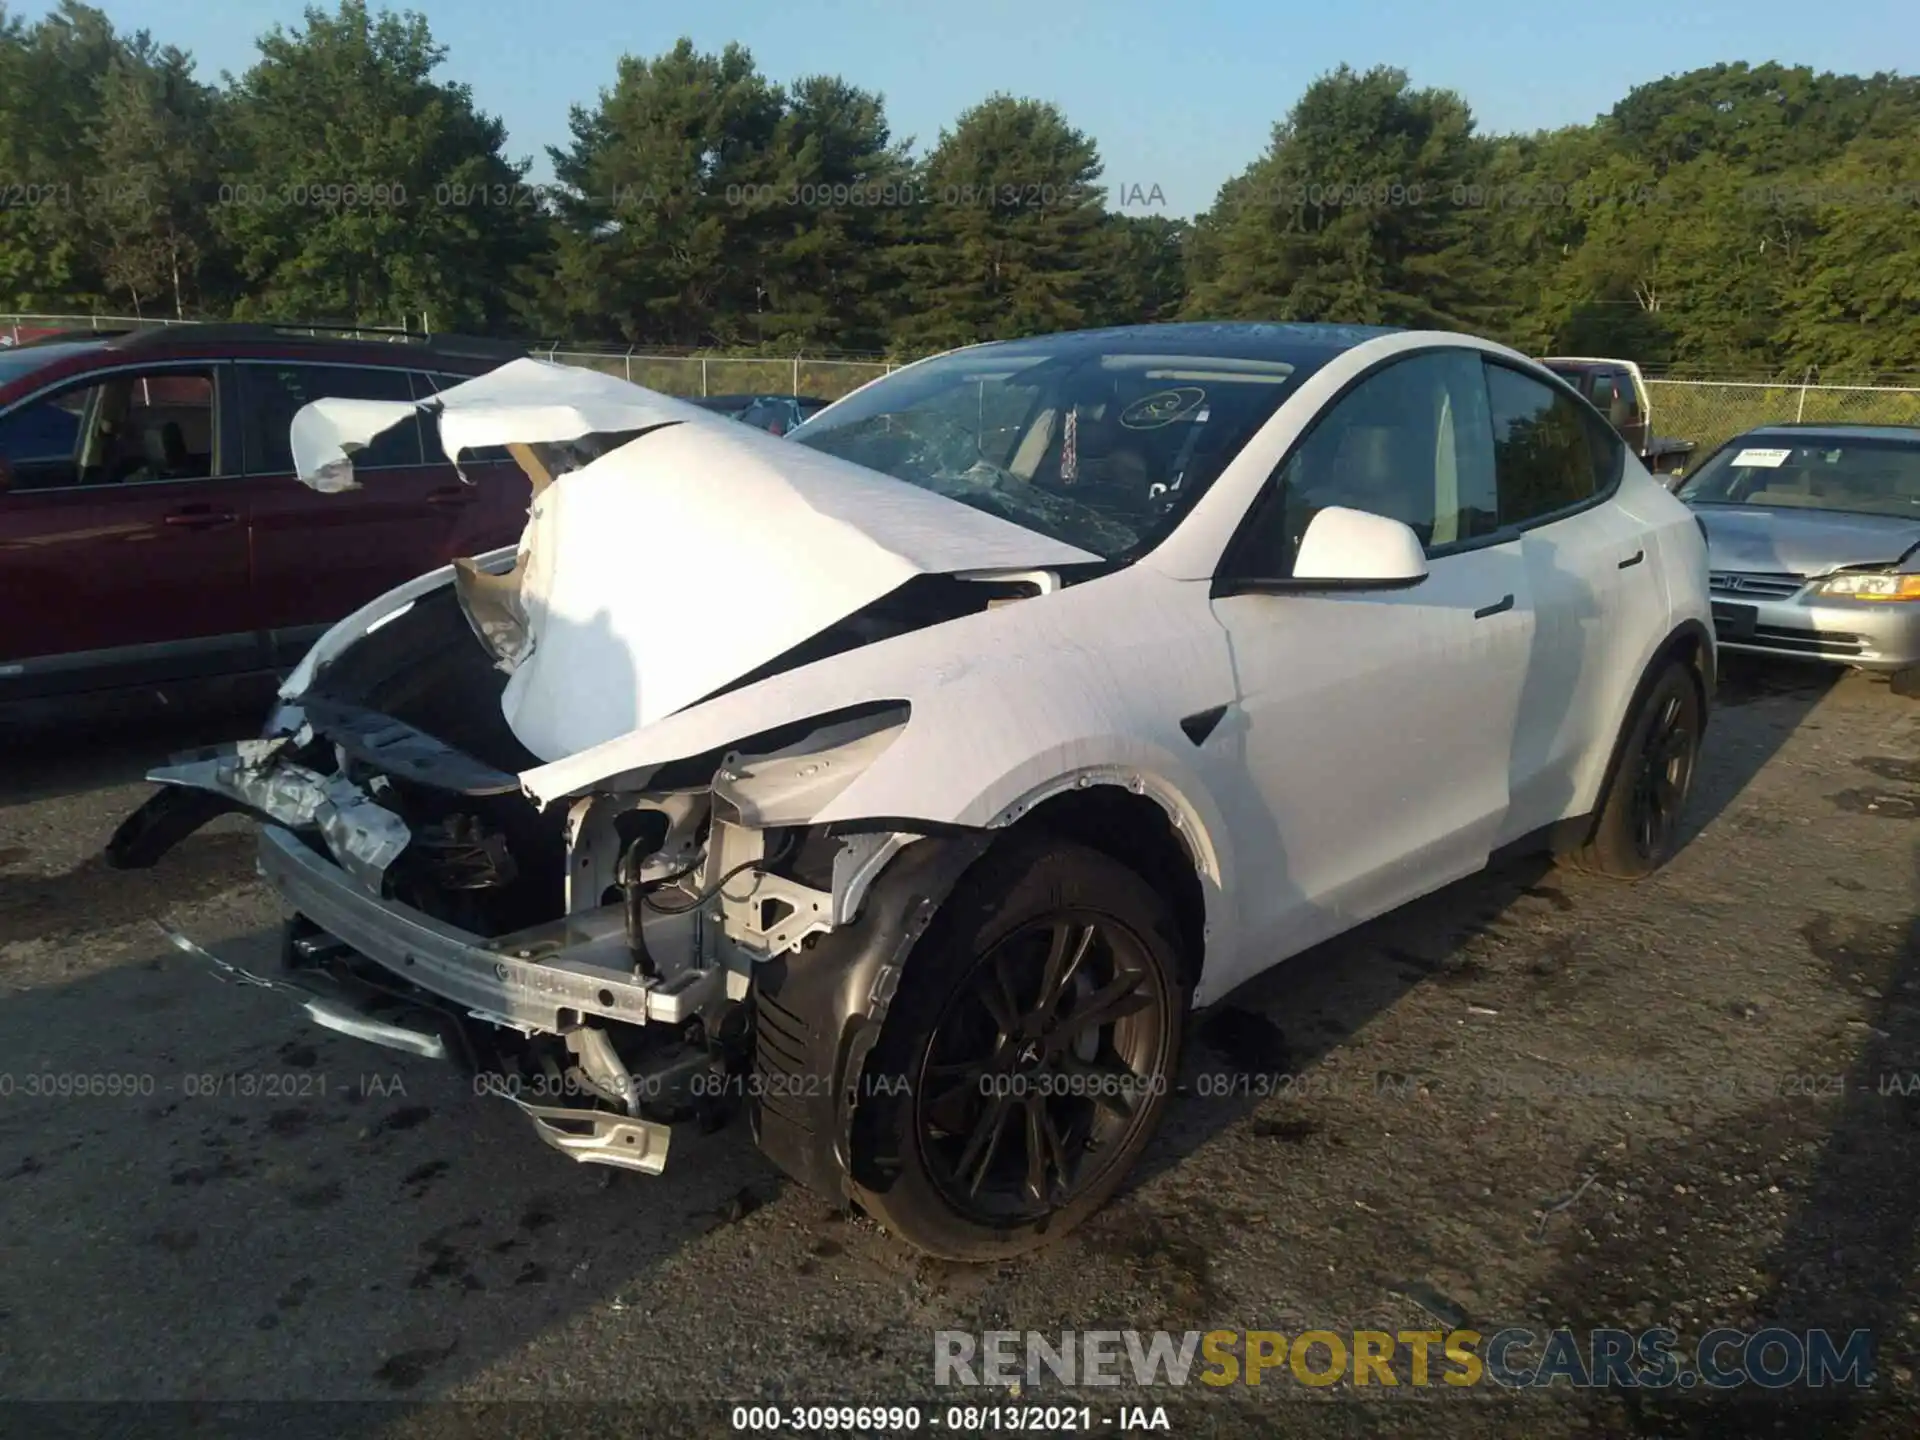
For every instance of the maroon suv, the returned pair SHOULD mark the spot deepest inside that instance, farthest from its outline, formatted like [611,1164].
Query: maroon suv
[152,530]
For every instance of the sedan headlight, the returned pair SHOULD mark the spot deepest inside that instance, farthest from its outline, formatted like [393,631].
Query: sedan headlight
[1871,587]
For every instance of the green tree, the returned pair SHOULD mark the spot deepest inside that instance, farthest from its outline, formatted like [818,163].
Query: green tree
[150,211]
[1761,118]
[1007,238]
[823,240]
[1356,213]
[665,184]
[50,84]
[1141,263]
[1854,305]
[363,189]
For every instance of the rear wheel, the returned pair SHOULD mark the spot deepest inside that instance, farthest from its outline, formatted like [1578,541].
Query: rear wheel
[1638,828]
[1037,1031]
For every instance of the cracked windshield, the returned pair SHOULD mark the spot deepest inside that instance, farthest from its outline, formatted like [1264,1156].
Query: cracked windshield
[1103,451]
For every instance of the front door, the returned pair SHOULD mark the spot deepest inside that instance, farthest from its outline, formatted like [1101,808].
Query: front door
[123,548]
[1378,725]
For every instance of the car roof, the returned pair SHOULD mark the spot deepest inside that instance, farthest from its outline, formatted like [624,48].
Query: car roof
[71,355]
[1235,339]
[1834,430]
[381,346]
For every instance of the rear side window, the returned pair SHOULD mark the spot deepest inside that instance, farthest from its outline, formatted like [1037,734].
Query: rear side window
[275,394]
[1550,452]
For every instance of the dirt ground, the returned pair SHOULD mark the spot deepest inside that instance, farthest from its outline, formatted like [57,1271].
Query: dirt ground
[1536,1099]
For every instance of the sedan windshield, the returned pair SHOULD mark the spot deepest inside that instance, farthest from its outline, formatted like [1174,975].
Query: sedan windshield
[1859,477]
[1100,449]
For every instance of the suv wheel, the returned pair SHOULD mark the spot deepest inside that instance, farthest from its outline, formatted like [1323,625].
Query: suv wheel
[1037,1029]
[1638,827]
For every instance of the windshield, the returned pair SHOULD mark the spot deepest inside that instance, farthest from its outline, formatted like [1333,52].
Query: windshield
[1859,477]
[1102,450]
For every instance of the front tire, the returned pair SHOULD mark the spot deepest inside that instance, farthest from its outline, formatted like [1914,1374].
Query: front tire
[1027,1056]
[1638,828]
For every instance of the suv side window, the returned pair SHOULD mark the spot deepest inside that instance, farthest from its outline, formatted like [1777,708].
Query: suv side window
[275,393]
[1550,453]
[126,428]
[1411,442]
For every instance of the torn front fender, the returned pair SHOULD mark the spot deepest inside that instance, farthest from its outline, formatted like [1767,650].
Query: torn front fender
[819,1011]
[253,775]
[168,817]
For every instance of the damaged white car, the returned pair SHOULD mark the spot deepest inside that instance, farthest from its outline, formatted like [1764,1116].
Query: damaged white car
[912,777]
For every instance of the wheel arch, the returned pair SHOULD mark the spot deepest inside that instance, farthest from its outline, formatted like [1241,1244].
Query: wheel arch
[1691,644]
[827,1004]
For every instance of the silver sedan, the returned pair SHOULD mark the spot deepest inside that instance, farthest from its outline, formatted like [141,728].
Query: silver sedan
[1813,542]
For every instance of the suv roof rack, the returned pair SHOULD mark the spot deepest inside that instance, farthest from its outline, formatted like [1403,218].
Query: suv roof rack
[68,337]
[229,332]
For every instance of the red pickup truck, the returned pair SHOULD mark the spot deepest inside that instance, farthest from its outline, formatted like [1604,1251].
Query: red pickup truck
[152,530]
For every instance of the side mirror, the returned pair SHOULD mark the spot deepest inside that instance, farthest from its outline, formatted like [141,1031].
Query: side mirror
[1358,549]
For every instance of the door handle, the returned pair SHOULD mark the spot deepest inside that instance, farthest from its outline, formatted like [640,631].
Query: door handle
[1505,602]
[199,517]
[451,495]
[1633,559]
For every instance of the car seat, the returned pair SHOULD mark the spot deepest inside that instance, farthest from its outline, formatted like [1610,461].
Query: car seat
[1386,469]
[167,455]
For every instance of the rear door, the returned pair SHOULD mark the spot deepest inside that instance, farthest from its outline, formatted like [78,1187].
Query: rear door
[1596,590]
[124,560]
[317,557]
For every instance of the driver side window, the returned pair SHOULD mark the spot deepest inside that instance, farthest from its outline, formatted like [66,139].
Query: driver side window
[129,427]
[1412,442]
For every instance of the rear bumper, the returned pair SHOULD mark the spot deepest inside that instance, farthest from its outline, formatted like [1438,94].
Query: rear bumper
[1873,636]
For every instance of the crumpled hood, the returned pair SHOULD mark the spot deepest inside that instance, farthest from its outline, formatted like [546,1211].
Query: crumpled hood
[1801,541]
[683,560]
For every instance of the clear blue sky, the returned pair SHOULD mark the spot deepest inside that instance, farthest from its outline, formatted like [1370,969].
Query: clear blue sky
[1180,94]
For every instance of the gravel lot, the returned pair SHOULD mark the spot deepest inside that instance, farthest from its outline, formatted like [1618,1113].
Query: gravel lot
[294,1217]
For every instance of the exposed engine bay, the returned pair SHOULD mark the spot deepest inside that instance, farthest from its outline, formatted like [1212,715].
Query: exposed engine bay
[591,959]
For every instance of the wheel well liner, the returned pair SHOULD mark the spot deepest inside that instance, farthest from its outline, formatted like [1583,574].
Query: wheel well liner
[1137,832]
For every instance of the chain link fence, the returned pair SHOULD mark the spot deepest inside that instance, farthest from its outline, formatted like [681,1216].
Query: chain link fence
[1708,412]
[822,379]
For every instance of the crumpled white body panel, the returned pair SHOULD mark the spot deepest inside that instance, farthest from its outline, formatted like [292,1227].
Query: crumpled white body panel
[683,560]
[525,402]
[695,554]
